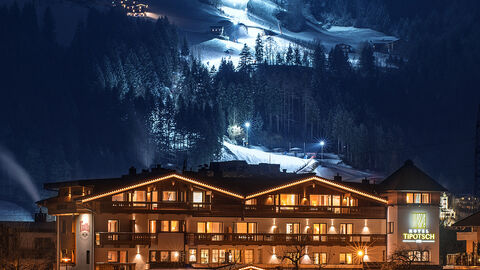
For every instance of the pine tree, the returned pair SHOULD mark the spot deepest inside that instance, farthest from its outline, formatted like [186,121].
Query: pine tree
[289,55]
[297,57]
[259,50]
[279,59]
[367,60]
[245,58]
[185,51]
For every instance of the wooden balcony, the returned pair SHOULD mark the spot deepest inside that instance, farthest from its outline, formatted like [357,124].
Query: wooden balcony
[125,238]
[115,266]
[152,207]
[208,209]
[316,211]
[285,239]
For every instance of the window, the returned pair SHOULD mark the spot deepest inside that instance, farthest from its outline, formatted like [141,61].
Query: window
[293,228]
[204,256]
[419,256]
[192,255]
[336,202]
[251,202]
[164,256]
[320,228]
[174,256]
[112,225]
[153,256]
[112,256]
[320,200]
[246,227]
[221,255]
[169,196]
[288,199]
[152,226]
[139,196]
[174,226]
[123,256]
[346,258]
[197,197]
[320,258]
[418,198]
[346,228]
[214,255]
[209,227]
[165,226]
[391,227]
[118,197]
[248,256]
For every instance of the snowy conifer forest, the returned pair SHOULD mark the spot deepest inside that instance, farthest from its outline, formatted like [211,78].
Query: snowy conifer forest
[134,92]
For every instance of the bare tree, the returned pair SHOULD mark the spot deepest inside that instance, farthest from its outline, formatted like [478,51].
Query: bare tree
[402,259]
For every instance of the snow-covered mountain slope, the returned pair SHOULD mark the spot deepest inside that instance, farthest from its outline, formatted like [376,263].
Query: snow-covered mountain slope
[243,20]
[327,167]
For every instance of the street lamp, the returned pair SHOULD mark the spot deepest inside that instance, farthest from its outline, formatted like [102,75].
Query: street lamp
[322,144]
[247,126]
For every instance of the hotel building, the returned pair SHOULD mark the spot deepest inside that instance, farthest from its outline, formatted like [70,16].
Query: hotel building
[236,215]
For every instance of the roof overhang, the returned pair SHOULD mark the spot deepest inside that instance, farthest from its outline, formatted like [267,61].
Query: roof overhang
[323,181]
[160,179]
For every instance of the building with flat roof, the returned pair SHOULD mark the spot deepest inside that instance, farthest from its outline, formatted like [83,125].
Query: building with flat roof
[228,216]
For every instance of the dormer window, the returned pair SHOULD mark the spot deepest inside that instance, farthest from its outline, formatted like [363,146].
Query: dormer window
[418,198]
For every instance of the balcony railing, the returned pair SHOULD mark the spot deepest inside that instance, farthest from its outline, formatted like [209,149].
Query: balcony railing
[245,210]
[282,239]
[463,259]
[115,266]
[125,238]
[116,206]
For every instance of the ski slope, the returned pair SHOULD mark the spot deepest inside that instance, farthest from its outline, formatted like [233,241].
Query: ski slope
[327,167]
[258,17]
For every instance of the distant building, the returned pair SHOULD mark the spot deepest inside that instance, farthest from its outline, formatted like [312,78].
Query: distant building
[28,245]
[383,46]
[465,205]
[470,233]
[447,214]
[217,30]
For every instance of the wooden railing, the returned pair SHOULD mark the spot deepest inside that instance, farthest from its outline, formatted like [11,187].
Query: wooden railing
[245,210]
[126,238]
[115,266]
[463,259]
[282,239]
[115,206]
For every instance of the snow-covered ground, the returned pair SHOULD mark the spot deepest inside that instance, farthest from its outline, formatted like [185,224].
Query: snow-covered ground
[327,167]
[257,16]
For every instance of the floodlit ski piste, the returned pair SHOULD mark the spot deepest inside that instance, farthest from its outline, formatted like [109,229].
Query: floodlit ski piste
[327,167]
[243,20]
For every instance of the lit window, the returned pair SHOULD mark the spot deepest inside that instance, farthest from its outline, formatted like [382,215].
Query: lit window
[169,196]
[112,256]
[118,197]
[248,256]
[221,256]
[174,256]
[288,199]
[201,227]
[346,228]
[112,225]
[214,255]
[165,225]
[346,258]
[320,200]
[139,196]
[209,227]
[174,226]
[251,202]
[426,198]
[417,197]
[197,197]
[123,256]
[164,256]
[204,256]
[192,255]
[153,256]
[293,228]
[152,226]
[320,258]
[409,198]
[241,227]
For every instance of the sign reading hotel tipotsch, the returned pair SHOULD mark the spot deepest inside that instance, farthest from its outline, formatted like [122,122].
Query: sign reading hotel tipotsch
[418,233]
[84,227]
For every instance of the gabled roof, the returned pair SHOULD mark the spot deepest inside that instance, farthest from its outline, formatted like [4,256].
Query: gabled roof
[470,221]
[410,178]
[222,186]
[155,180]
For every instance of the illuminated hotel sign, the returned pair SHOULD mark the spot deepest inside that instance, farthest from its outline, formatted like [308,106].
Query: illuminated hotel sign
[419,233]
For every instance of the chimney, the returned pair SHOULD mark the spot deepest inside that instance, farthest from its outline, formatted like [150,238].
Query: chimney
[365,181]
[132,171]
[337,178]
[40,216]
